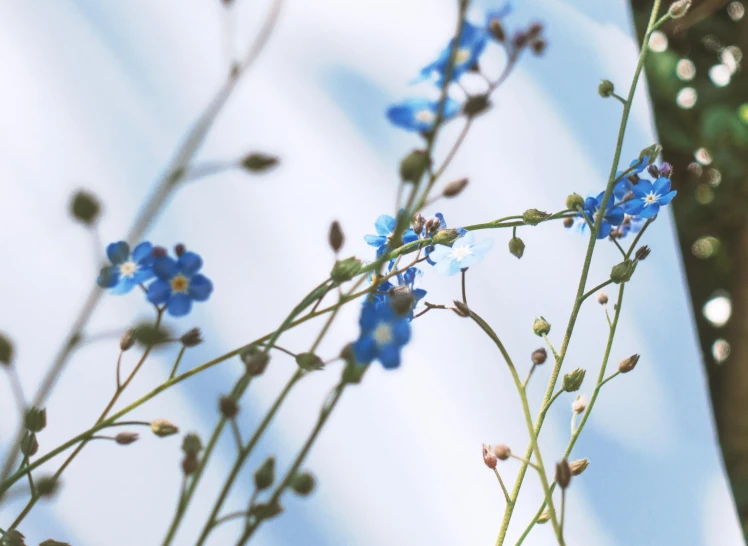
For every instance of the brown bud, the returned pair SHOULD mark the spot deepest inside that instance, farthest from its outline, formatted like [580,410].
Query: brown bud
[418,222]
[126,438]
[228,406]
[432,224]
[47,486]
[190,464]
[563,474]
[29,444]
[461,309]
[539,356]
[158,252]
[455,187]
[488,457]
[255,360]
[179,249]
[127,340]
[642,253]
[192,338]
[336,236]
[579,466]
[497,30]
[602,298]
[502,452]
[538,46]
[568,222]
[628,364]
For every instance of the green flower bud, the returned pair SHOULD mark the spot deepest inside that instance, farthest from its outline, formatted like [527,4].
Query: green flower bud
[265,475]
[228,407]
[622,272]
[446,236]
[345,270]
[574,201]
[29,444]
[606,89]
[541,327]
[85,207]
[6,351]
[461,309]
[47,486]
[476,105]
[414,165]
[309,361]
[191,445]
[255,360]
[577,467]
[545,517]
[573,380]
[163,428]
[36,419]
[302,483]
[533,217]
[258,162]
[147,334]
[263,510]
[651,152]
[516,247]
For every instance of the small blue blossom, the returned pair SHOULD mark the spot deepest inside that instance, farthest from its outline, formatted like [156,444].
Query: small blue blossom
[464,252]
[639,164]
[613,214]
[631,224]
[383,334]
[179,283]
[127,269]
[419,114]
[442,225]
[472,42]
[649,197]
[410,279]
[385,226]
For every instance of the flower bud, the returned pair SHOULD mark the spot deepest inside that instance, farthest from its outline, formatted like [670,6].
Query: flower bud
[85,207]
[497,30]
[622,272]
[573,380]
[577,467]
[6,351]
[432,225]
[309,361]
[191,444]
[476,105]
[538,46]
[414,165]
[263,510]
[50,542]
[190,464]
[489,458]
[679,9]
[158,252]
[606,89]
[563,474]
[265,475]
[345,270]
[541,327]
[653,171]
[255,360]
[666,170]
[47,486]
[192,338]
[228,407]
[401,300]
[179,249]
[516,247]
[502,452]
[336,236]
[127,340]
[163,428]
[447,236]
[602,298]
[568,222]
[533,217]
[454,188]
[579,404]
[461,309]
[539,356]
[126,438]
[13,538]
[628,364]
[302,483]
[259,162]
[642,253]
[574,201]
[418,222]
[650,153]
[146,334]
[29,444]
[36,419]
[544,517]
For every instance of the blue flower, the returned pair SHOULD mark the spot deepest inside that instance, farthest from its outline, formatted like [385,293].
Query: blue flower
[127,270]
[649,197]
[464,252]
[472,42]
[498,14]
[639,164]
[442,225]
[613,214]
[179,283]
[410,280]
[383,334]
[631,224]
[419,114]
[385,226]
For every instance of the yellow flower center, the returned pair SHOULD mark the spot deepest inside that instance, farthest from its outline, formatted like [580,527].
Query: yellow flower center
[651,198]
[180,283]
[382,334]
[426,116]
[128,269]
[462,56]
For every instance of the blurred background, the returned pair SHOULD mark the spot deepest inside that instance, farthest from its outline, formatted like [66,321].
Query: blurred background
[99,95]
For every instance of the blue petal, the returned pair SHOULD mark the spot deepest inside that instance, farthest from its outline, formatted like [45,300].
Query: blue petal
[165,268]
[634,206]
[142,275]
[401,332]
[621,189]
[385,225]
[118,253]
[409,236]
[144,251]
[124,286]
[604,230]
[159,291]
[481,248]
[375,240]
[189,263]
[615,216]
[665,199]
[442,222]
[439,253]
[389,356]
[200,287]
[179,305]
[108,277]
[642,189]
[650,211]
[661,185]
[365,349]
[368,319]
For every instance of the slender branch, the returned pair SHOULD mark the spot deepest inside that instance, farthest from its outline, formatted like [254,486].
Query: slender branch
[501,483]
[177,361]
[598,287]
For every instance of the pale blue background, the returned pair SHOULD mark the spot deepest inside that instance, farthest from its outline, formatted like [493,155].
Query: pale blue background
[97,94]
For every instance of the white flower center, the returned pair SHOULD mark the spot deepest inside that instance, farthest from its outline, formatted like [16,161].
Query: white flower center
[425,116]
[462,56]
[651,198]
[382,334]
[460,253]
[128,269]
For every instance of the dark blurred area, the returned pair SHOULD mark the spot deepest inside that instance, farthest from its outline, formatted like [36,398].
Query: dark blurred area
[700,98]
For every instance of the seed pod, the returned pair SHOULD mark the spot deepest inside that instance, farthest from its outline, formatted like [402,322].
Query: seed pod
[85,207]
[255,360]
[563,474]
[127,340]
[454,188]
[265,475]
[336,236]
[163,428]
[228,406]
[126,438]
[579,466]
[502,452]
[191,445]
[516,247]
[259,162]
[539,356]
[192,338]
[606,89]
[573,380]
[541,327]
[489,458]
[302,483]
[628,364]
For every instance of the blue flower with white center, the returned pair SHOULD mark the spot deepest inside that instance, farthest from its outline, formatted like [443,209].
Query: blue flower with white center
[383,334]
[631,224]
[409,280]
[385,226]
[464,252]
[179,283]
[613,214]
[127,269]
[472,42]
[442,225]
[420,114]
[649,197]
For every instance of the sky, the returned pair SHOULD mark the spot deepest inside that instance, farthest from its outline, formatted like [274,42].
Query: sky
[99,94]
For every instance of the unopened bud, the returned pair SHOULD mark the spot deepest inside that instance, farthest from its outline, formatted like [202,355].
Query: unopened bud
[46,486]
[539,356]
[579,404]
[497,30]
[85,207]
[29,444]
[432,225]
[533,217]
[259,162]
[51,542]
[563,474]
[265,475]
[622,272]
[454,188]
[190,464]
[538,46]
[653,171]
[502,452]
[336,236]
[179,249]
[461,309]
[228,406]
[572,381]
[574,201]
[13,538]
[414,165]
[309,361]
[642,253]
[302,483]
[255,360]
[126,438]
[544,517]
[516,247]
[191,445]
[158,252]
[541,327]
[127,340]
[447,236]
[162,428]
[666,170]
[577,467]
[192,338]
[345,270]
[606,89]
[402,300]
[679,9]
[628,364]
[602,298]
[650,153]
[476,105]
[568,222]
[263,510]
[418,222]
[6,351]
[36,419]
[489,458]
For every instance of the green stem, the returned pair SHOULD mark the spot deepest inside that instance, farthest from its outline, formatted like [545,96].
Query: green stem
[176,362]
[598,287]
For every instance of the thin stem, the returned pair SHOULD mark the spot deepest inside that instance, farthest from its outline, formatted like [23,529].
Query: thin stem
[237,434]
[501,483]
[619,98]
[598,287]
[563,509]
[464,294]
[15,385]
[611,376]
[618,245]
[119,367]
[25,461]
[177,361]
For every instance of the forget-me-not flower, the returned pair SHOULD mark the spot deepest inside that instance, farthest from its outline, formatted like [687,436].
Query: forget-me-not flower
[649,197]
[179,283]
[472,42]
[127,269]
[409,280]
[385,226]
[613,214]
[418,114]
[383,334]
[464,252]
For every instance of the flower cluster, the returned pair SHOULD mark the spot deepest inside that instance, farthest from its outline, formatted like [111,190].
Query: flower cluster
[634,199]
[176,282]
[386,314]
